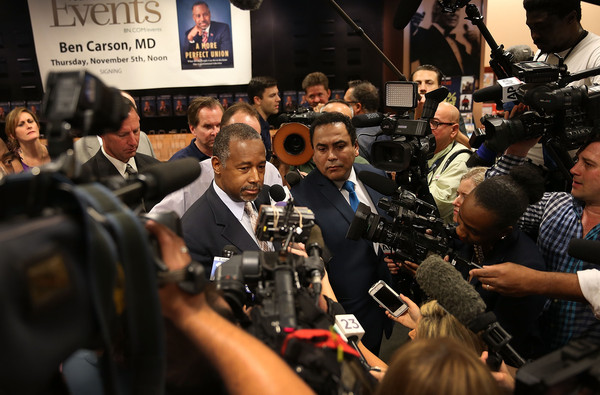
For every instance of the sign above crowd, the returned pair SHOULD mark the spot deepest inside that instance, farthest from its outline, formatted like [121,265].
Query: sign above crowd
[143,44]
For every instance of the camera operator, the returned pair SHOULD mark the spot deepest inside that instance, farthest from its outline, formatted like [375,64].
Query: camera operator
[555,220]
[448,163]
[245,364]
[556,29]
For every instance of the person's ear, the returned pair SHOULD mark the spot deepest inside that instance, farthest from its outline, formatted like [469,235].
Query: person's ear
[454,131]
[358,108]
[356,150]
[216,164]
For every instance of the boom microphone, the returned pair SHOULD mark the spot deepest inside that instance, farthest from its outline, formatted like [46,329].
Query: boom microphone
[367,120]
[380,183]
[441,281]
[586,250]
[314,248]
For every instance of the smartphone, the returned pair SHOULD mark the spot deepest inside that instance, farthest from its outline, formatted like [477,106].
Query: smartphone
[388,298]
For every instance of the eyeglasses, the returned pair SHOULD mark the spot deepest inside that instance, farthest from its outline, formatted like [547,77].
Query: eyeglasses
[434,123]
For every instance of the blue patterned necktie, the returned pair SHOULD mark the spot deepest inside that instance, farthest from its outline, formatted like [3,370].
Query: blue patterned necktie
[349,186]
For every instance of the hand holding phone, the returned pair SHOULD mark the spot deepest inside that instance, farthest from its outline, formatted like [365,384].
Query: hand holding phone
[388,298]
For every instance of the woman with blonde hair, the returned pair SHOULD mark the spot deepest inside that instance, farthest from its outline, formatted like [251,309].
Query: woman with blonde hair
[23,133]
[434,366]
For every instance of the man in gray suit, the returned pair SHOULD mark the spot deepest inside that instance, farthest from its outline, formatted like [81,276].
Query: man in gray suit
[88,146]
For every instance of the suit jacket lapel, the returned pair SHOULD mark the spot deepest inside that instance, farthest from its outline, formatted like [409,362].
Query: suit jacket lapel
[330,192]
[373,194]
[232,230]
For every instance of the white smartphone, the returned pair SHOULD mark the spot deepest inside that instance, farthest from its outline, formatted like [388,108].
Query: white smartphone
[388,298]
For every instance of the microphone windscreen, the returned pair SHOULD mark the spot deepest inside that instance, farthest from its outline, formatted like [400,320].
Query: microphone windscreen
[277,192]
[315,237]
[441,281]
[586,250]
[164,178]
[404,13]
[521,53]
[293,178]
[488,94]
[367,120]
[380,183]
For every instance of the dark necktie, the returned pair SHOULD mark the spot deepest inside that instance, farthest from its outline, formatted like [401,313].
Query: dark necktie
[130,171]
[349,186]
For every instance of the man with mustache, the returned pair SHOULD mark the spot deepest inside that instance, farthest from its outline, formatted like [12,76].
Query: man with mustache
[333,191]
[223,215]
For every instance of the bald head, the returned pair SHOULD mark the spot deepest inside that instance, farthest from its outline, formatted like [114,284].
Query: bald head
[338,106]
[446,118]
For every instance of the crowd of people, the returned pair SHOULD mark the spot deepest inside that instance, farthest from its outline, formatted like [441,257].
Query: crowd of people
[514,232]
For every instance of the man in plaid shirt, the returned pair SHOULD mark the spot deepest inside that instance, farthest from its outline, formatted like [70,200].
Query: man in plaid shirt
[555,220]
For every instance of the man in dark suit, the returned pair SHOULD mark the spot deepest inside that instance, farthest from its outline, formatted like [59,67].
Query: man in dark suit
[220,216]
[118,154]
[356,265]
[438,46]
[206,40]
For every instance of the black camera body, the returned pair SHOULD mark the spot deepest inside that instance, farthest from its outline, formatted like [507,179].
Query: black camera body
[414,232]
[565,115]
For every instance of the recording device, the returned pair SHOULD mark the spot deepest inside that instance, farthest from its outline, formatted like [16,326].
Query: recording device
[387,298]
[93,272]
[415,230]
[349,328]
[442,282]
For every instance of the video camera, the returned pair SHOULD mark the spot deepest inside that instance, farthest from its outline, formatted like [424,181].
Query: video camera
[78,267]
[414,232]
[562,115]
[274,278]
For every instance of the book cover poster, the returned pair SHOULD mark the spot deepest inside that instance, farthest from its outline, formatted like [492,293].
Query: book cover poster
[180,103]
[164,105]
[290,101]
[205,34]
[148,106]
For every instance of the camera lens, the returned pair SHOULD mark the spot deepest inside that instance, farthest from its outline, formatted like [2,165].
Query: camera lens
[294,144]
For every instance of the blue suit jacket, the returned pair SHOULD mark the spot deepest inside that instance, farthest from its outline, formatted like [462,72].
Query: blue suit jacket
[354,266]
[209,225]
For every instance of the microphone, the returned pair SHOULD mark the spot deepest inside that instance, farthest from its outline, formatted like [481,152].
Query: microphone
[314,249]
[277,192]
[157,181]
[521,53]
[247,5]
[230,250]
[350,330]
[405,12]
[293,178]
[380,183]
[586,250]
[441,281]
[505,91]
[367,120]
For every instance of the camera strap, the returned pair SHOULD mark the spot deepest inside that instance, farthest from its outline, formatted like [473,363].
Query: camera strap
[439,161]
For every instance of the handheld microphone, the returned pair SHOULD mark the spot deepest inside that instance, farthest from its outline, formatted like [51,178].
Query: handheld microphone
[314,249]
[367,120]
[586,250]
[443,282]
[277,192]
[380,183]
[293,178]
[157,181]
[505,91]
[349,328]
